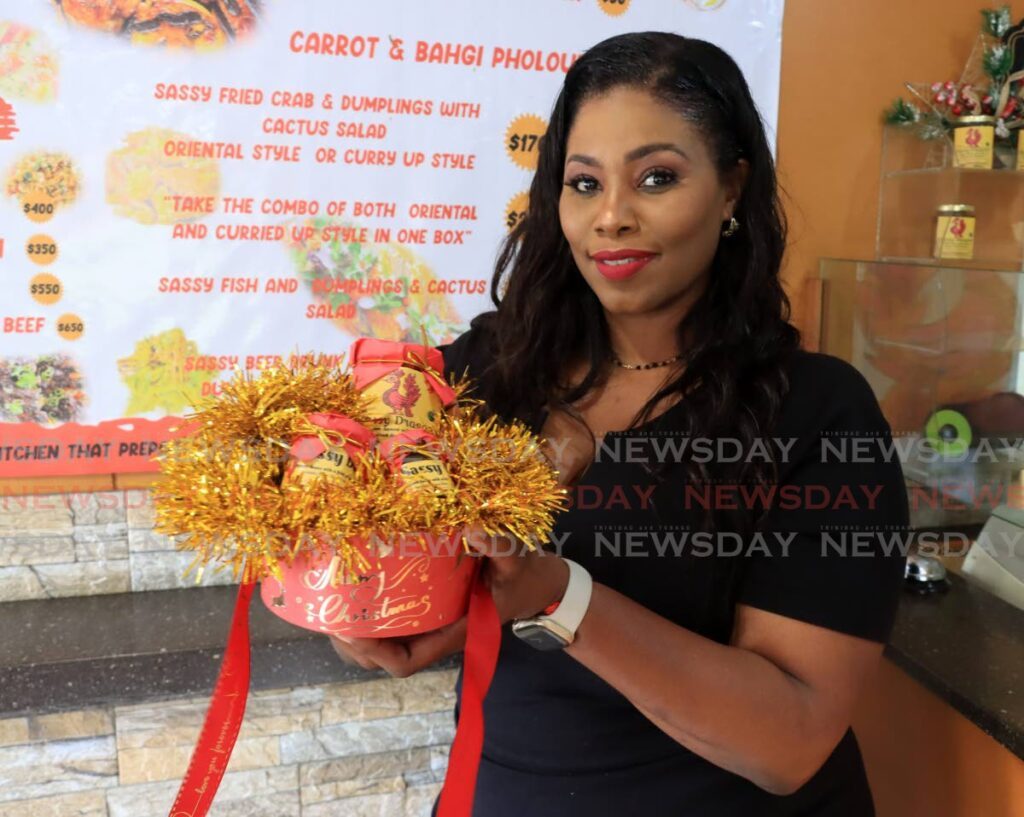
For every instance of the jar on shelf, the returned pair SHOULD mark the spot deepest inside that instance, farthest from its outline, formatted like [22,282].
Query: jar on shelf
[973,138]
[954,232]
[1020,148]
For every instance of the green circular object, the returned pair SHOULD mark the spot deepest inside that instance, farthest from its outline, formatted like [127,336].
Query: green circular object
[949,432]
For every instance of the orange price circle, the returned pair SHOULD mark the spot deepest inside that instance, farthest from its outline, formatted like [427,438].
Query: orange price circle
[45,288]
[614,8]
[70,326]
[515,210]
[38,207]
[41,249]
[522,140]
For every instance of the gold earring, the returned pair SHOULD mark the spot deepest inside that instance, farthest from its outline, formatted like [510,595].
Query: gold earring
[730,231]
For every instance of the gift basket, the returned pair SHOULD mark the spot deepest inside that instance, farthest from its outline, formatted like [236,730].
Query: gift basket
[343,493]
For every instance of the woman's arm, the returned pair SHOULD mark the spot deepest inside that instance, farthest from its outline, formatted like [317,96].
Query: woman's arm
[770,706]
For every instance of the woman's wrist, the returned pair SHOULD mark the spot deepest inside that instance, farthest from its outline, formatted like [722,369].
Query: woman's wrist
[557,581]
[523,582]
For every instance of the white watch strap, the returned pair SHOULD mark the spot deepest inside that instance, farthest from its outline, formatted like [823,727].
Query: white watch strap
[574,603]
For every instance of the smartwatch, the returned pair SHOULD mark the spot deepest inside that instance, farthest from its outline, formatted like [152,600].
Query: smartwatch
[555,627]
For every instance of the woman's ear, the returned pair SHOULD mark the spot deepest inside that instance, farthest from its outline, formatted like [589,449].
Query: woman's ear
[735,182]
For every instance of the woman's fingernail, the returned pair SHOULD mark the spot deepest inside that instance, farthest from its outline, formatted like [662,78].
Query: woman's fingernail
[343,638]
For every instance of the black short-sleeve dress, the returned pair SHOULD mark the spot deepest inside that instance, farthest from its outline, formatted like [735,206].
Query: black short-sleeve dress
[561,742]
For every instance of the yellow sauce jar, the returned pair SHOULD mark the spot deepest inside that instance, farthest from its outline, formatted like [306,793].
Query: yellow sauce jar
[1020,149]
[973,137]
[954,232]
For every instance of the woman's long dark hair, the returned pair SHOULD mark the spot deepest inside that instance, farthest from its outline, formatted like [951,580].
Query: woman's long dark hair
[739,332]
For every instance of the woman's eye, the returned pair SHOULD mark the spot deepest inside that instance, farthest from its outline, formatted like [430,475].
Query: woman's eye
[579,184]
[662,178]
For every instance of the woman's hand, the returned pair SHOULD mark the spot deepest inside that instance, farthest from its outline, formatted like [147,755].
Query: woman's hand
[522,583]
[402,656]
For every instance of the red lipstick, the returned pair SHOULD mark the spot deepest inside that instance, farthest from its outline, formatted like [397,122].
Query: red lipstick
[620,264]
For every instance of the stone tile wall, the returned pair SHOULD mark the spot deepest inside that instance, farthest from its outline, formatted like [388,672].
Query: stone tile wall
[376,747]
[82,544]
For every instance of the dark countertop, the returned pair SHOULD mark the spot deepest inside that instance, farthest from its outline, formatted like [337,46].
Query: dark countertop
[965,645]
[72,653]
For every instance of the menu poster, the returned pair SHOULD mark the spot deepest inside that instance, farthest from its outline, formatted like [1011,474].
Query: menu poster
[195,187]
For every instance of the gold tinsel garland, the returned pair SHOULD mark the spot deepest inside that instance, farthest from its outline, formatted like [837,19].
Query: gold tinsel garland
[222,491]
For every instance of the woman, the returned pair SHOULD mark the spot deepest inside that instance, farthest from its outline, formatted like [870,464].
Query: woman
[639,301]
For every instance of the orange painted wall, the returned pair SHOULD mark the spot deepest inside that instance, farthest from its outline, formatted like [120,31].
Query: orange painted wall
[925,759]
[843,62]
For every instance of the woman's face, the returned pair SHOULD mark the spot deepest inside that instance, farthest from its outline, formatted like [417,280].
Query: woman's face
[639,178]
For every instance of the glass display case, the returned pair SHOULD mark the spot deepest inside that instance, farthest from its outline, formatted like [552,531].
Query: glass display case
[918,177]
[942,348]
[939,338]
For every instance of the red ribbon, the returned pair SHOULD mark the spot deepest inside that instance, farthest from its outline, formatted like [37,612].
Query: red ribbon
[223,718]
[483,641]
[227,708]
[334,429]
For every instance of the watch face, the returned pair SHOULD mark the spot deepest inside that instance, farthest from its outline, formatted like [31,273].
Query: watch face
[538,636]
